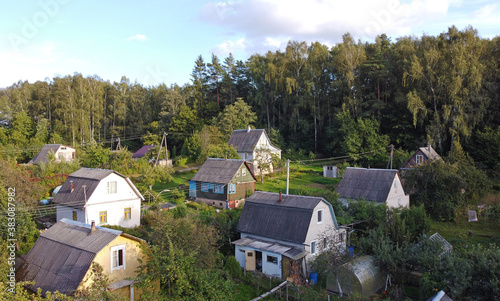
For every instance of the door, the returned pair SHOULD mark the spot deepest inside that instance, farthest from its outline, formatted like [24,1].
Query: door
[250,260]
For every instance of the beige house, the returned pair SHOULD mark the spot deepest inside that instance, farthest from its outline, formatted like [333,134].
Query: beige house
[382,186]
[61,153]
[282,234]
[62,257]
[254,146]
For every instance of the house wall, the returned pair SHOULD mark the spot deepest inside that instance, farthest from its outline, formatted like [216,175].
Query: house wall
[412,162]
[397,197]
[330,171]
[64,153]
[133,252]
[115,203]
[268,268]
[67,212]
[318,231]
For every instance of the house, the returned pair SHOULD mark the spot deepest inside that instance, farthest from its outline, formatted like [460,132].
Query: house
[142,151]
[421,156]
[61,153]
[223,183]
[61,259]
[375,185]
[440,296]
[253,146]
[282,234]
[103,195]
[330,171]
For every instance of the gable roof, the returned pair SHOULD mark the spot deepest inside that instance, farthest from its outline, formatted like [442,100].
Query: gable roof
[142,151]
[44,152]
[220,171]
[370,184]
[90,178]
[63,254]
[430,153]
[264,215]
[246,140]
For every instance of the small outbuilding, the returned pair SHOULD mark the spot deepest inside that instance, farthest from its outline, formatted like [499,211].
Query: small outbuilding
[360,277]
[330,171]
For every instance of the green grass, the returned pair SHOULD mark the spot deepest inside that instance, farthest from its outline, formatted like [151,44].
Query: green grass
[179,178]
[457,233]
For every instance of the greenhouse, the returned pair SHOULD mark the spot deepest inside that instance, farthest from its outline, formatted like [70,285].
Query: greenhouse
[359,276]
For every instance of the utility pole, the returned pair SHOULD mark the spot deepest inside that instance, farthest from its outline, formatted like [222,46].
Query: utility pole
[164,138]
[118,146]
[287,175]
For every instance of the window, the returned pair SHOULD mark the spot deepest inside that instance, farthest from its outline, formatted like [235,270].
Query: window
[128,213]
[231,188]
[117,257]
[250,254]
[272,259]
[313,247]
[218,188]
[243,172]
[419,159]
[111,187]
[74,216]
[204,187]
[325,243]
[103,217]
[320,216]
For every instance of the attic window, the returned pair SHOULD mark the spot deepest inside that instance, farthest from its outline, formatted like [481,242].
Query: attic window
[419,159]
[111,187]
[63,148]
[243,172]
[320,216]
[117,257]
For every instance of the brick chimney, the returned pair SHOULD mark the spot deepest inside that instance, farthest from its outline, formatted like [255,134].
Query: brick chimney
[429,147]
[92,228]
[72,188]
[248,129]
[281,197]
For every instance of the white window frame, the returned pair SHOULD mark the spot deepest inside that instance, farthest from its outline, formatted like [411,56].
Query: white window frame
[419,159]
[231,188]
[313,247]
[112,187]
[116,249]
[320,216]
[243,172]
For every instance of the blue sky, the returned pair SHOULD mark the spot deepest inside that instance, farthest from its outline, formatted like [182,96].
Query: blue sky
[158,41]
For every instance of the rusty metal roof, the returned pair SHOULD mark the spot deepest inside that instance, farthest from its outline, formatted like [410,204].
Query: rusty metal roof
[264,215]
[90,178]
[62,256]
[366,183]
[220,171]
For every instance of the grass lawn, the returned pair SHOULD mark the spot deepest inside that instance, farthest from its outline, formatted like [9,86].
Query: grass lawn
[457,233]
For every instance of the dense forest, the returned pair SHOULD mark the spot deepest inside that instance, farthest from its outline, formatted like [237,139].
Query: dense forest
[338,100]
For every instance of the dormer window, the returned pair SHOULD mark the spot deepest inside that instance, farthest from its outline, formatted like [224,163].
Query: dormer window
[111,187]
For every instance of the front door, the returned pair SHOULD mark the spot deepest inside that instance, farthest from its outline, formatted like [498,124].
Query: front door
[250,260]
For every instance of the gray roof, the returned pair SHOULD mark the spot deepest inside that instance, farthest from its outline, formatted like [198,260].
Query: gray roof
[43,153]
[62,256]
[430,153]
[366,183]
[90,178]
[246,140]
[264,215]
[220,171]
[440,296]
[263,245]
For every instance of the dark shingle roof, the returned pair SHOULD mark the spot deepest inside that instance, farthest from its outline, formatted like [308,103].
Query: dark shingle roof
[264,215]
[88,177]
[219,171]
[246,140]
[366,183]
[62,256]
[430,153]
[43,153]
[142,151]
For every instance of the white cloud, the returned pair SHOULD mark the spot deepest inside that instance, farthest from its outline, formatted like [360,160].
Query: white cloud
[230,46]
[486,11]
[138,37]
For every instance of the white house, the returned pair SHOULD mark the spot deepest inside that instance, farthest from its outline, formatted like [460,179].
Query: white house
[253,145]
[282,234]
[101,195]
[375,185]
[61,153]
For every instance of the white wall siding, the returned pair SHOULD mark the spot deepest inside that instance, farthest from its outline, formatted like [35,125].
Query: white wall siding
[269,268]
[397,197]
[240,256]
[67,212]
[317,231]
[65,154]
[115,213]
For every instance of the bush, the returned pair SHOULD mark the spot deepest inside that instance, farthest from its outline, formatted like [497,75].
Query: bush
[233,267]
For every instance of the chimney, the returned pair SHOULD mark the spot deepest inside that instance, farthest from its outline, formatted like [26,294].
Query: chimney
[71,182]
[368,166]
[248,129]
[281,197]
[92,228]
[429,147]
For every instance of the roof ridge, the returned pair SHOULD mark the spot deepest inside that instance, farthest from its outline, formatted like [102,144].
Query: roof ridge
[87,226]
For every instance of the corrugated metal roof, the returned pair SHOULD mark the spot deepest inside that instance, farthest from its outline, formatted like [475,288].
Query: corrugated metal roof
[430,153]
[366,183]
[62,256]
[90,178]
[220,171]
[259,244]
[246,140]
[264,215]
[142,151]
[43,153]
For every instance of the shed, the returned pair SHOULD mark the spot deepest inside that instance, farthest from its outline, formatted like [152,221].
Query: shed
[360,276]
[330,171]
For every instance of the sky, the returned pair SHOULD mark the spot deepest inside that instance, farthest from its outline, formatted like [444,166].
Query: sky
[153,42]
